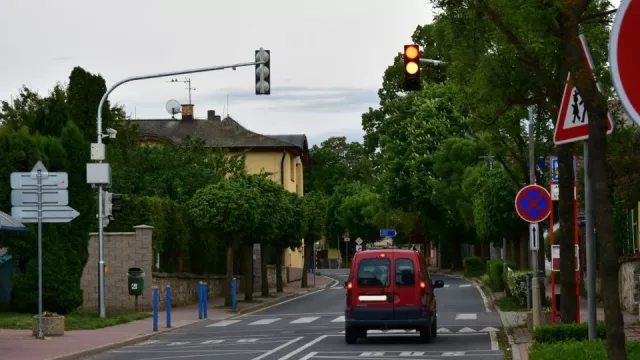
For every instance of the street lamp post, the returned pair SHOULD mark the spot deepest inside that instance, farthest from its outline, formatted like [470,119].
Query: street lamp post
[98,154]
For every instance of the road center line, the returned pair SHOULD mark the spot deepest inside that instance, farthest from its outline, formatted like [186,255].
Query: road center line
[300,349]
[278,348]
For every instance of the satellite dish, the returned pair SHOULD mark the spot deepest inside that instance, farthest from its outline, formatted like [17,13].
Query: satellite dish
[173,107]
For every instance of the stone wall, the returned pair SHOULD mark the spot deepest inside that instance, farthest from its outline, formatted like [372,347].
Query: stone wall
[293,274]
[629,277]
[184,287]
[122,251]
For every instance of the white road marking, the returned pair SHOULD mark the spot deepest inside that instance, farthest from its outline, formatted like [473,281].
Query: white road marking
[179,343]
[466,316]
[304,320]
[264,321]
[466,330]
[412,353]
[453,353]
[494,341]
[489,329]
[300,349]
[372,353]
[465,285]
[338,319]
[484,299]
[272,351]
[148,342]
[223,323]
[212,342]
[447,285]
[247,340]
[444,331]
[309,355]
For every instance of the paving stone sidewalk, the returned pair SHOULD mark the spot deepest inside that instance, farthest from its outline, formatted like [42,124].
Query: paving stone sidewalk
[80,344]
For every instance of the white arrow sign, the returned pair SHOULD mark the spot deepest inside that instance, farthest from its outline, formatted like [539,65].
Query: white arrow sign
[50,214]
[533,235]
[30,197]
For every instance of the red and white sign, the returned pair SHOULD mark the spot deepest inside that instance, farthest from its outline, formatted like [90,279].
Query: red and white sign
[624,56]
[555,257]
[573,122]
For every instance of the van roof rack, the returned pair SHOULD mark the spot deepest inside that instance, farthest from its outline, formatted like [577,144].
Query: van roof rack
[392,247]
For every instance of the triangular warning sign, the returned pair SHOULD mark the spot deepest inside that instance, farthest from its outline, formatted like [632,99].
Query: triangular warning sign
[573,121]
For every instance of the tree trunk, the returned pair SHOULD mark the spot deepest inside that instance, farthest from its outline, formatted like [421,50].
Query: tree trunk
[279,255]
[227,296]
[248,272]
[597,107]
[566,235]
[308,254]
[264,275]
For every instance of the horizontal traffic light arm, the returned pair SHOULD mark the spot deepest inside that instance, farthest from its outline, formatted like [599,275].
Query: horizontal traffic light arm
[432,61]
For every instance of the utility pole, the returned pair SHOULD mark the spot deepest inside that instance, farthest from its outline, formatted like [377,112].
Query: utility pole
[591,247]
[98,154]
[535,284]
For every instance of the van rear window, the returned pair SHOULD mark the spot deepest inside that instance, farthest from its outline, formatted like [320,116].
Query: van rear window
[405,273]
[374,272]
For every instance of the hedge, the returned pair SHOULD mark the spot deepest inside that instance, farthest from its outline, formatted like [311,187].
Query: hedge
[547,334]
[516,282]
[578,350]
[494,270]
[473,266]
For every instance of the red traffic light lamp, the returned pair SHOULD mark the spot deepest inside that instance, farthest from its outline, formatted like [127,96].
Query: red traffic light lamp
[411,68]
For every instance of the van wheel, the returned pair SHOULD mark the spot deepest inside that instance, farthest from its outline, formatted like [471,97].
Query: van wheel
[425,334]
[350,336]
[434,328]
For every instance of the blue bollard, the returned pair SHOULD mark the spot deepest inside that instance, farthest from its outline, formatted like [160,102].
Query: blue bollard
[234,299]
[200,310]
[168,305]
[156,300]
[205,299]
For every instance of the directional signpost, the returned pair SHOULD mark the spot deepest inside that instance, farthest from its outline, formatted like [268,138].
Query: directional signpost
[40,197]
[388,233]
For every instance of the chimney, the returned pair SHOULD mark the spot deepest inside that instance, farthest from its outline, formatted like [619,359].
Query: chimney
[211,116]
[187,112]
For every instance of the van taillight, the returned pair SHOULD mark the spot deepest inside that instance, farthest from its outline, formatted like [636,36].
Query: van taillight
[349,285]
[349,292]
[423,285]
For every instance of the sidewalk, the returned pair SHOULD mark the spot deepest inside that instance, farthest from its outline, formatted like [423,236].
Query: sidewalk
[521,339]
[21,345]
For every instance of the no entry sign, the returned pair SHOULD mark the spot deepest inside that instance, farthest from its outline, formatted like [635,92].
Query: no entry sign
[533,203]
[624,56]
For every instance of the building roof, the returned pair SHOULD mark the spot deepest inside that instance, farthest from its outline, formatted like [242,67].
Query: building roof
[225,133]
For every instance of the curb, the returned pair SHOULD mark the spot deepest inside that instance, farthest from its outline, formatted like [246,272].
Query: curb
[134,340]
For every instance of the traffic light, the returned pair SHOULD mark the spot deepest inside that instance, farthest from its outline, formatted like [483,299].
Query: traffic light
[263,72]
[111,205]
[412,68]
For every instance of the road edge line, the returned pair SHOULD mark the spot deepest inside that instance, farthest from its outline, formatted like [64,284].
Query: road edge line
[277,302]
[494,341]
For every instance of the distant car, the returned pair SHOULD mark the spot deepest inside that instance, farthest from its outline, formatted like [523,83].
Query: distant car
[390,289]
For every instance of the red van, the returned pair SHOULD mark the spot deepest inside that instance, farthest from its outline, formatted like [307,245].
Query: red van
[390,289]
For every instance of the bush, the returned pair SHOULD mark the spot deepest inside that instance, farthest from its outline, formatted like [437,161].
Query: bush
[473,266]
[494,270]
[578,350]
[517,286]
[547,334]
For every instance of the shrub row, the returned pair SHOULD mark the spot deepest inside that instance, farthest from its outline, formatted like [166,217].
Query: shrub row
[516,283]
[578,350]
[547,334]
[495,270]
[473,266]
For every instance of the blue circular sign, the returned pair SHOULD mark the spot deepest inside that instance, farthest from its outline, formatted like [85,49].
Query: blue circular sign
[533,203]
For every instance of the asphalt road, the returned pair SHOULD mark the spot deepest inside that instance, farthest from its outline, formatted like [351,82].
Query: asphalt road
[312,327]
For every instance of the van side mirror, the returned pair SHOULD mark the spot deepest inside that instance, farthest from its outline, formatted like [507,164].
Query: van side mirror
[438,284]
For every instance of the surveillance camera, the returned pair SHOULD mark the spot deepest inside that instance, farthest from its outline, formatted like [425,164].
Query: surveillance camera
[111,133]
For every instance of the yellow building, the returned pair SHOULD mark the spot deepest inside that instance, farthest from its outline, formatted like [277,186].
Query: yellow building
[283,156]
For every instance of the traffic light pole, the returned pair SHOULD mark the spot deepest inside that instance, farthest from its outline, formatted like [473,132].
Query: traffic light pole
[432,61]
[101,307]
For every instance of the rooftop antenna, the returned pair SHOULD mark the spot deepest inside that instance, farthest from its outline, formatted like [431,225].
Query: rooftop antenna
[189,88]
[173,108]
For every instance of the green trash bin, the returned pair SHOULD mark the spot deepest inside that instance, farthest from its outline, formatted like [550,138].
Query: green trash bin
[135,278]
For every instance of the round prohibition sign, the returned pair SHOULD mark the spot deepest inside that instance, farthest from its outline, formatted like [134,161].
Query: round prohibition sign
[533,203]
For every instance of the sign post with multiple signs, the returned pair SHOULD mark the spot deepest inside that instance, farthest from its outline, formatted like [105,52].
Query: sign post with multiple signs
[40,196]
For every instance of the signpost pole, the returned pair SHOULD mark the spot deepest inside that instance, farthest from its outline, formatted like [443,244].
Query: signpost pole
[40,324]
[591,247]
[535,284]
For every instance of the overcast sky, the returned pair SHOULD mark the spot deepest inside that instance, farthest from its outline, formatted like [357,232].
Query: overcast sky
[328,56]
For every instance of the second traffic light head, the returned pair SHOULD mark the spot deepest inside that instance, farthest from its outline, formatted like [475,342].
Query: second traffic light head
[263,72]
[411,57]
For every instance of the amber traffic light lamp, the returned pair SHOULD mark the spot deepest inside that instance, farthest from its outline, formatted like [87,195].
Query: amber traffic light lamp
[411,68]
